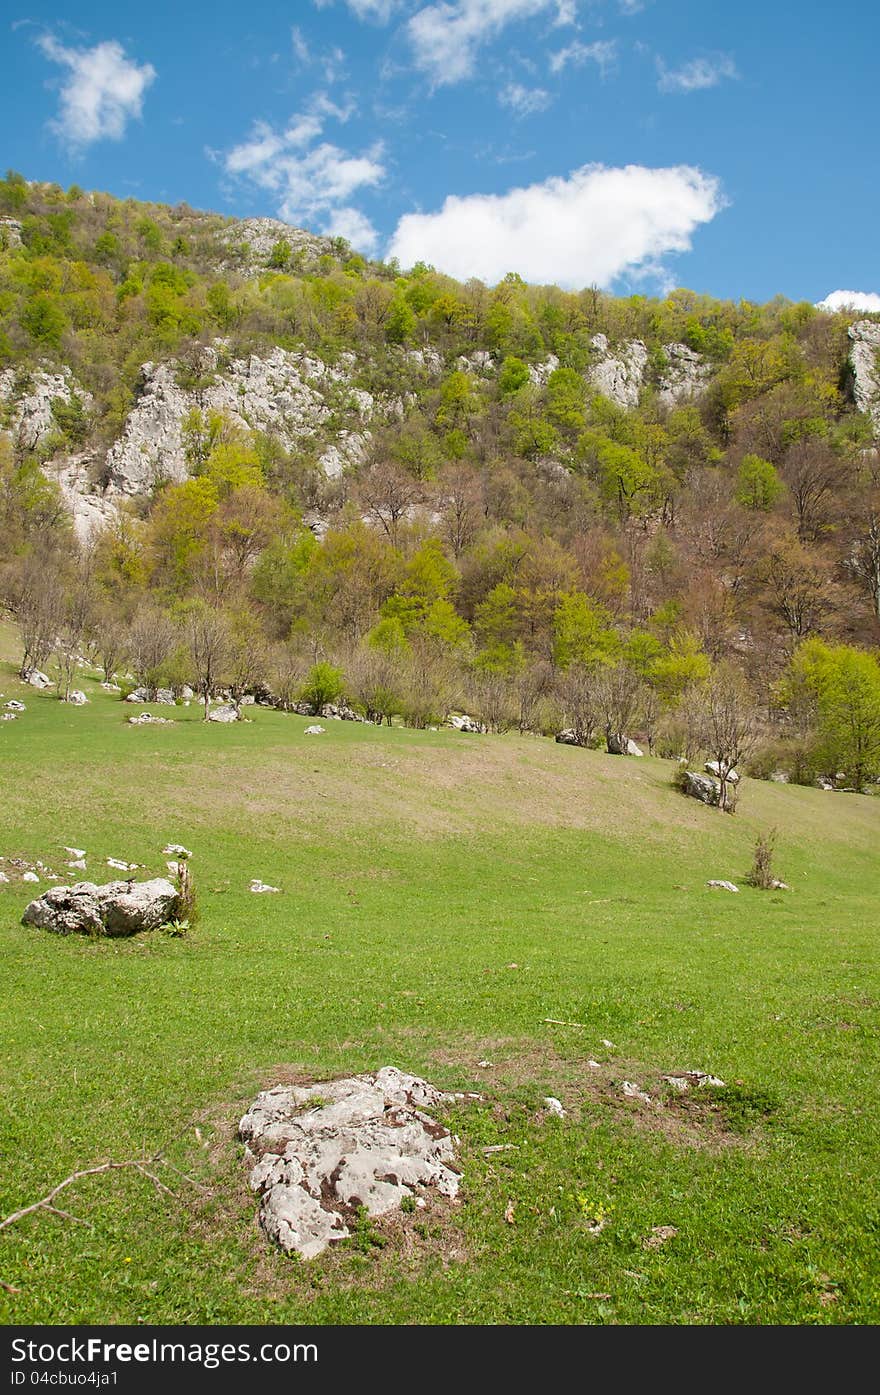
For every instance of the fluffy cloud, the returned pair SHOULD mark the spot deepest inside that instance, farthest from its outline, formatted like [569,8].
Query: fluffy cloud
[851,300]
[697,75]
[589,228]
[446,37]
[524,101]
[103,91]
[311,182]
[603,53]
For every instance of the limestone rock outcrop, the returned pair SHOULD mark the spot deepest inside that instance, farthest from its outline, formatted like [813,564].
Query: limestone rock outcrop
[864,359]
[115,909]
[289,393]
[317,1153]
[28,403]
[618,376]
[255,239]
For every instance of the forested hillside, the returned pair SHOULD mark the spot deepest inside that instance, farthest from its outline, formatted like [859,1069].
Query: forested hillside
[343,480]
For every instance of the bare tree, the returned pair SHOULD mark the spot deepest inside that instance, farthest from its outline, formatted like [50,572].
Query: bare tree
[247,654]
[386,493]
[153,638]
[577,697]
[618,696]
[36,599]
[730,730]
[460,504]
[72,627]
[209,643]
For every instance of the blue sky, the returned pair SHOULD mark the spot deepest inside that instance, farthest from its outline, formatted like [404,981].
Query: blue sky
[634,144]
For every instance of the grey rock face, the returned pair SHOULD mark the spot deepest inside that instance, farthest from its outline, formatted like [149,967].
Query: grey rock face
[10,232]
[618,377]
[117,908]
[540,372]
[319,1152]
[30,416]
[865,339]
[701,787]
[260,236]
[685,376]
[90,508]
[285,393]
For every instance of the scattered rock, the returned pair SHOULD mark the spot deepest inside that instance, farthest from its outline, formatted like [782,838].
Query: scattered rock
[568,738]
[119,866]
[257,887]
[37,679]
[226,712]
[117,908]
[314,731]
[682,1081]
[714,768]
[318,1153]
[659,1236]
[29,877]
[3,877]
[176,850]
[722,886]
[77,698]
[622,746]
[77,864]
[463,722]
[634,1092]
[146,719]
[111,687]
[777,885]
[75,852]
[554,1106]
[8,716]
[13,705]
[701,787]
[779,777]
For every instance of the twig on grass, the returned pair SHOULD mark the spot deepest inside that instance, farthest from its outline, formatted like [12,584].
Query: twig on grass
[557,1022]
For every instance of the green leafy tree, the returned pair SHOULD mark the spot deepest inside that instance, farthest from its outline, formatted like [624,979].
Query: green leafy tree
[758,485]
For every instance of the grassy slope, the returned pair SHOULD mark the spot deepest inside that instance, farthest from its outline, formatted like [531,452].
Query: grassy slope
[416,869]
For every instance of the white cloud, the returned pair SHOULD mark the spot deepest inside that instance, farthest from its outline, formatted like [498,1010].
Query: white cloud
[311,183]
[300,46]
[102,93]
[603,53]
[589,228]
[697,75]
[851,300]
[446,36]
[524,101]
[379,11]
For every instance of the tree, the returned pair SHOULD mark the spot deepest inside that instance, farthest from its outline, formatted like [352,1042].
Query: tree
[729,722]
[387,494]
[576,692]
[152,638]
[324,684]
[845,685]
[758,485]
[209,642]
[247,658]
[618,695]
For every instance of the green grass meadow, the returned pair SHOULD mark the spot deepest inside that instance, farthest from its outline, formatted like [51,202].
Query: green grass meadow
[441,895]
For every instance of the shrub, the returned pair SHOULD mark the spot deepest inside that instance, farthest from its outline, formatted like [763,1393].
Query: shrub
[761,874]
[323,684]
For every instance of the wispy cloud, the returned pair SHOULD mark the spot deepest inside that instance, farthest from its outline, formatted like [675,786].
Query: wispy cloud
[594,226]
[103,91]
[698,75]
[311,180]
[446,37]
[524,101]
[603,53]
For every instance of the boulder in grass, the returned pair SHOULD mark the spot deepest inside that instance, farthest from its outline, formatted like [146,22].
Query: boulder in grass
[77,698]
[37,679]
[224,713]
[718,885]
[701,787]
[115,909]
